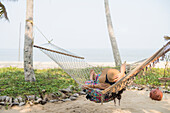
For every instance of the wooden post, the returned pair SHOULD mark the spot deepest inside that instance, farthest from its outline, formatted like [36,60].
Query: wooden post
[102,97]
[19,42]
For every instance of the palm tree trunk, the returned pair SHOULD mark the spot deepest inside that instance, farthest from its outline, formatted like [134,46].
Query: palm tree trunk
[28,44]
[112,36]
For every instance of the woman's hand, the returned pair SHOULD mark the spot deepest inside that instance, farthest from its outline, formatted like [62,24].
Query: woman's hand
[118,77]
[85,86]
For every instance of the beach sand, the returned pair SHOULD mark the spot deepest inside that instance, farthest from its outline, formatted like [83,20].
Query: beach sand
[47,65]
[132,101]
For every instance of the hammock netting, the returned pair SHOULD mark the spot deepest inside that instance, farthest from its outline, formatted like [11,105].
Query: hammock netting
[79,69]
[71,63]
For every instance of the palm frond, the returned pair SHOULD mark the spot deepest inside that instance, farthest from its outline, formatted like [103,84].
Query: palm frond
[166,37]
[3,12]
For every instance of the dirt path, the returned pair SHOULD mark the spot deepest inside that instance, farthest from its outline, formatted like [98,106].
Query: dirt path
[132,102]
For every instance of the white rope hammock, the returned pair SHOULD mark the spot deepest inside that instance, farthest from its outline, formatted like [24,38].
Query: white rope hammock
[71,63]
[79,70]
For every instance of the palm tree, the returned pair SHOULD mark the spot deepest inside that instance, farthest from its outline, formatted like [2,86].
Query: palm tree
[3,12]
[28,44]
[112,36]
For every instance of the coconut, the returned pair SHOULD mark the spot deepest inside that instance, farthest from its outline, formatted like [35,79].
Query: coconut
[156,94]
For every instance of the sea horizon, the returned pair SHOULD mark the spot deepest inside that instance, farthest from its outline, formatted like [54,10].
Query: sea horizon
[90,54]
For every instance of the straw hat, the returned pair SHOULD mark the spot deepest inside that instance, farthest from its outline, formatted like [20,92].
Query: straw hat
[110,75]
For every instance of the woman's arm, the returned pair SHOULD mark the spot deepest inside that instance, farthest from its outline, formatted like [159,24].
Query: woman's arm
[121,74]
[99,86]
[102,86]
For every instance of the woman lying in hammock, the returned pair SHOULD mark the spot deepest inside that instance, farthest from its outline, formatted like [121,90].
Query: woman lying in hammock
[107,78]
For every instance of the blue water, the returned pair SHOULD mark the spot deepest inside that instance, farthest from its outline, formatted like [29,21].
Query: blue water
[91,55]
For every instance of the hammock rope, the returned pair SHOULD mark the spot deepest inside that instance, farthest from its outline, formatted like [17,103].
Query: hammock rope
[79,70]
[74,65]
[119,85]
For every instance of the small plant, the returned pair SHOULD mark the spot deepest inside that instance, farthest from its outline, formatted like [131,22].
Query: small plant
[151,77]
[167,58]
[12,82]
[6,107]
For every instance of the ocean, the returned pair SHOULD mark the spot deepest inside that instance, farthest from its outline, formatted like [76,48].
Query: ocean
[91,55]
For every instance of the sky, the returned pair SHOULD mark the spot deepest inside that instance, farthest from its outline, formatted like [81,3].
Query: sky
[80,24]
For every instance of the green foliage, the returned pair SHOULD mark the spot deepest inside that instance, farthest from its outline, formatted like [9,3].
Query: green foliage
[12,81]
[151,76]
[3,12]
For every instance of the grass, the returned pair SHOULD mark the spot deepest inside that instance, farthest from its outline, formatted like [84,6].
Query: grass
[151,76]
[12,82]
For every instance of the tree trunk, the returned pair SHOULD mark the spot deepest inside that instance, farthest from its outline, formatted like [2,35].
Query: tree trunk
[112,36]
[28,44]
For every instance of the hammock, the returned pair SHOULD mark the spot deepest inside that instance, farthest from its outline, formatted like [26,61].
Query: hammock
[72,64]
[79,70]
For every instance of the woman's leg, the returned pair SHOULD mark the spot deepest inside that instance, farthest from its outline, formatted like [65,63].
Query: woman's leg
[92,75]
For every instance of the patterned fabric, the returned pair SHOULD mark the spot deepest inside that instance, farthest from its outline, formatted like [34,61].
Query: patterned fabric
[93,82]
[97,78]
[90,82]
[95,95]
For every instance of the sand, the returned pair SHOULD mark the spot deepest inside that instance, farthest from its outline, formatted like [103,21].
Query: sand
[46,65]
[133,101]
